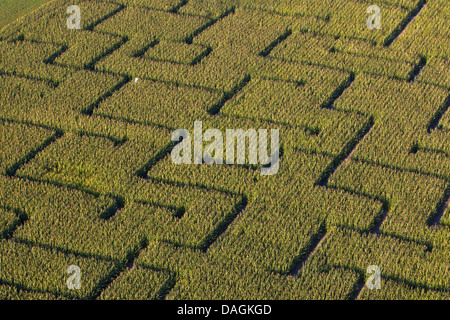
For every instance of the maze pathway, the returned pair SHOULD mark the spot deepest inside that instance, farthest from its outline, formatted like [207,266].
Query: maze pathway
[86,176]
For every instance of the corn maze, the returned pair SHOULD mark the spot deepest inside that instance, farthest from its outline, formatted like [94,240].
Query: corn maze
[86,117]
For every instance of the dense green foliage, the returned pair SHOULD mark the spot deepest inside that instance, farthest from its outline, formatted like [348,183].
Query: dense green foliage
[13,9]
[86,176]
